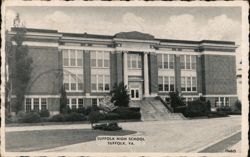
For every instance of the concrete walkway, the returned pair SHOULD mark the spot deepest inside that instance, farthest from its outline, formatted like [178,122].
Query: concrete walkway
[160,136]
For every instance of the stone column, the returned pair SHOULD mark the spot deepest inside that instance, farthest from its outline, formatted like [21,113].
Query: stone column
[145,62]
[125,68]
[87,72]
[153,74]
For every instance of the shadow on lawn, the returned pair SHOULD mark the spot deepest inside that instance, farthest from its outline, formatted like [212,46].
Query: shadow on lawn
[24,141]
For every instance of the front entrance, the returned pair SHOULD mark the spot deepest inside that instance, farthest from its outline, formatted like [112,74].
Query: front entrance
[135,94]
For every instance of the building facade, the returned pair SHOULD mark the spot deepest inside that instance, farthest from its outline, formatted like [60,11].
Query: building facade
[88,66]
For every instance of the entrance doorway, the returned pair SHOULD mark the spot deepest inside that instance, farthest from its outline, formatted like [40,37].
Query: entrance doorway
[135,94]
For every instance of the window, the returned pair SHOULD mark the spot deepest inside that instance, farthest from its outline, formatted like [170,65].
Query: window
[100,83]
[93,82]
[36,103]
[94,102]
[188,62]
[28,104]
[80,103]
[100,59]
[134,61]
[66,81]
[43,104]
[188,84]
[166,83]
[160,83]
[165,61]
[73,82]
[222,102]
[73,103]
[72,57]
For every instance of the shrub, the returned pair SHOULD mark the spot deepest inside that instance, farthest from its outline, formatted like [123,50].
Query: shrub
[94,117]
[111,116]
[29,117]
[44,113]
[71,117]
[225,109]
[108,127]
[217,114]
[175,100]
[120,96]
[126,113]
[197,108]
[237,105]
[84,111]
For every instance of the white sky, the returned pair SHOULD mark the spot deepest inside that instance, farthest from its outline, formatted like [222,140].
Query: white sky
[183,23]
[213,23]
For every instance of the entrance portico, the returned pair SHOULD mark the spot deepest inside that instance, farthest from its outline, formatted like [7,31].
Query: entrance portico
[140,72]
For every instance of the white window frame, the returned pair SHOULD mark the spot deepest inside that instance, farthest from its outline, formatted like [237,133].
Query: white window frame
[76,81]
[40,103]
[77,102]
[190,62]
[76,57]
[224,100]
[168,61]
[191,77]
[102,57]
[169,81]
[134,57]
[103,83]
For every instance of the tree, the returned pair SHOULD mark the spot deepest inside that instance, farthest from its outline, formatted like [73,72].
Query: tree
[23,67]
[63,102]
[120,96]
[175,100]
[238,105]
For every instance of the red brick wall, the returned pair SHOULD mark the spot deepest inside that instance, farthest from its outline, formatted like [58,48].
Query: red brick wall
[46,74]
[218,74]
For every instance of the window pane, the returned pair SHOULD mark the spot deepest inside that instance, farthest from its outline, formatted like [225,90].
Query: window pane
[183,84]
[65,57]
[159,60]
[100,59]
[171,61]
[79,58]
[80,101]
[160,83]
[107,80]
[227,101]
[188,62]
[36,101]
[134,62]
[94,102]
[28,101]
[216,102]
[93,59]
[193,83]
[80,81]
[72,58]
[93,82]
[73,107]
[73,81]
[73,101]
[166,83]
[172,83]
[188,83]
[43,101]
[193,62]
[28,107]
[67,101]
[44,107]
[182,61]
[139,61]
[100,82]
[165,61]
[36,107]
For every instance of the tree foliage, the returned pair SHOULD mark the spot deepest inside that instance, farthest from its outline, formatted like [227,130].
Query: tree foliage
[23,67]
[120,96]
[63,102]
[175,100]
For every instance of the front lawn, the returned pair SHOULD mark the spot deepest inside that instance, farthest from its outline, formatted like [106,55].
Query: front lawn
[23,141]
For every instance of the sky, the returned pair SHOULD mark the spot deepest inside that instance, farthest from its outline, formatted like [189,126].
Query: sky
[184,23]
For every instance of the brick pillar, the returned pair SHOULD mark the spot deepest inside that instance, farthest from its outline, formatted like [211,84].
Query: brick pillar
[177,71]
[119,67]
[87,72]
[60,69]
[199,74]
[113,71]
[153,73]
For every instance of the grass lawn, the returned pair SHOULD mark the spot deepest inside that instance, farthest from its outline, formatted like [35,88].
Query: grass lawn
[23,141]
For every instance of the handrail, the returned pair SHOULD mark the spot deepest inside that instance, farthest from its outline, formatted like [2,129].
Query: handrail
[165,104]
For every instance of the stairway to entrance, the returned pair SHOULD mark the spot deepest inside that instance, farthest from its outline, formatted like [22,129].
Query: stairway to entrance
[154,110]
